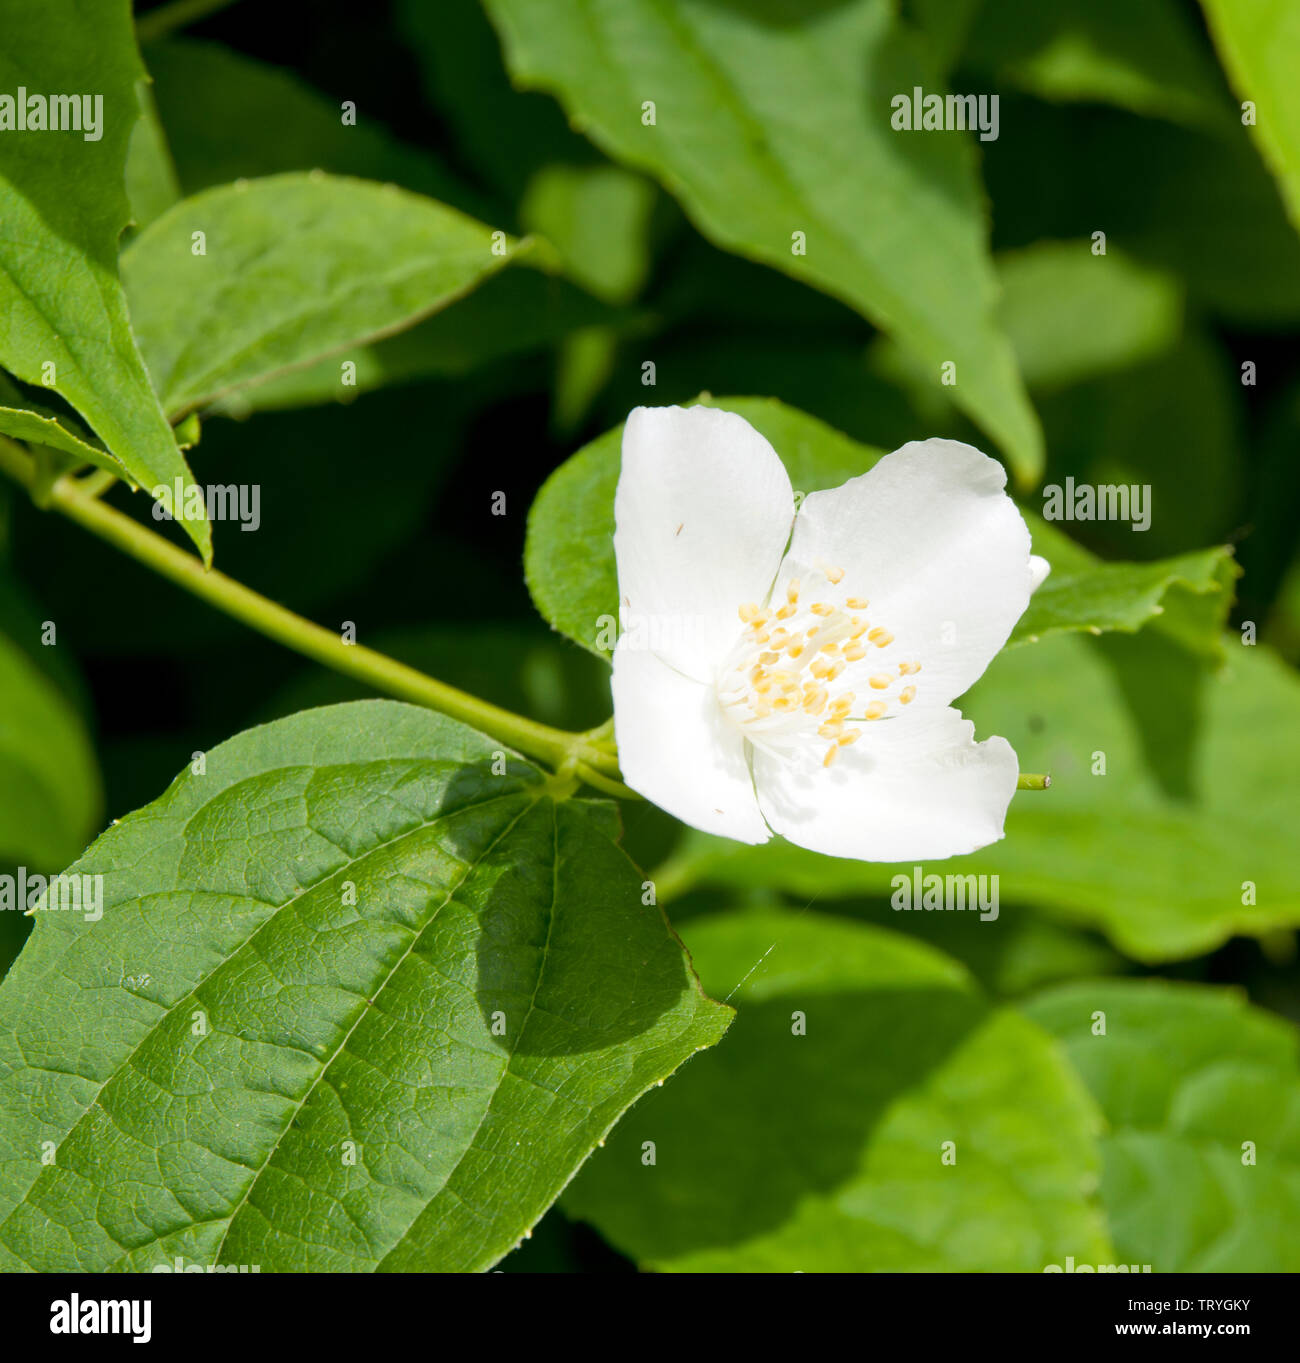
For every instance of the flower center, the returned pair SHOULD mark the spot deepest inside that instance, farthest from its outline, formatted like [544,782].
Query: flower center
[781,682]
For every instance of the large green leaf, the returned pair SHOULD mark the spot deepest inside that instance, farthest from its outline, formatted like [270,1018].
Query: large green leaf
[569,555]
[1258,40]
[355,1002]
[294,268]
[49,782]
[1193,1082]
[784,1151]
[773,123]
[1187,838]
[63,206]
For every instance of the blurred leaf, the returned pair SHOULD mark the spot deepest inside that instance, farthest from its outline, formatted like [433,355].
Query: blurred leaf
[308,951]
[1147,57]
[49,782]
[1258,41]
[1193,815]
[1187,1076]
[151,183]
[1173,425]
[769,125]
[505,134]
[598,218]
[946,24]
[296,267]
[216,139]
[1208,209]
[785,1152]
[1072,315]
[63,206]
[569,556]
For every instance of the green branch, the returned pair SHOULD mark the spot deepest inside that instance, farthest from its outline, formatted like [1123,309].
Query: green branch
[78,500]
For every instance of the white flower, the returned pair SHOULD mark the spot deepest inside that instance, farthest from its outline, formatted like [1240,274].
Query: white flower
[798,669]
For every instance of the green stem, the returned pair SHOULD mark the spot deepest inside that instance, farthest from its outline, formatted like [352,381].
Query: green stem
[385,674]
[1032,780]
[180,13]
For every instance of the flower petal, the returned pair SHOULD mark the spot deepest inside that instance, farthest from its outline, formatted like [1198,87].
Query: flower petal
[912,788]
[702,513]
[931,540]
[1038,571]
[677,748]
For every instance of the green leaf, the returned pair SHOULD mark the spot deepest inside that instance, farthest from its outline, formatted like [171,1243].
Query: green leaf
[598,219]
[1186,1076]
[1145,58]
[1127,596]
[569,553]
[50,429]
[1257,41]
[497,987]
[63,317]
[293,268]
[49,781]
[783,1151]
[1186,839]
[766,128]
[151,183]
[1072,315]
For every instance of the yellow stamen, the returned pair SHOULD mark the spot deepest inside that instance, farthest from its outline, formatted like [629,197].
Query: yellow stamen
[906,694]
[880,681]
[875,709]
[748,611]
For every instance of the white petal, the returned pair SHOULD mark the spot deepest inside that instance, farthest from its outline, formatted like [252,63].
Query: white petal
[931,540]
[915,787]
[677,749]
[702,513]
[1038,571]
